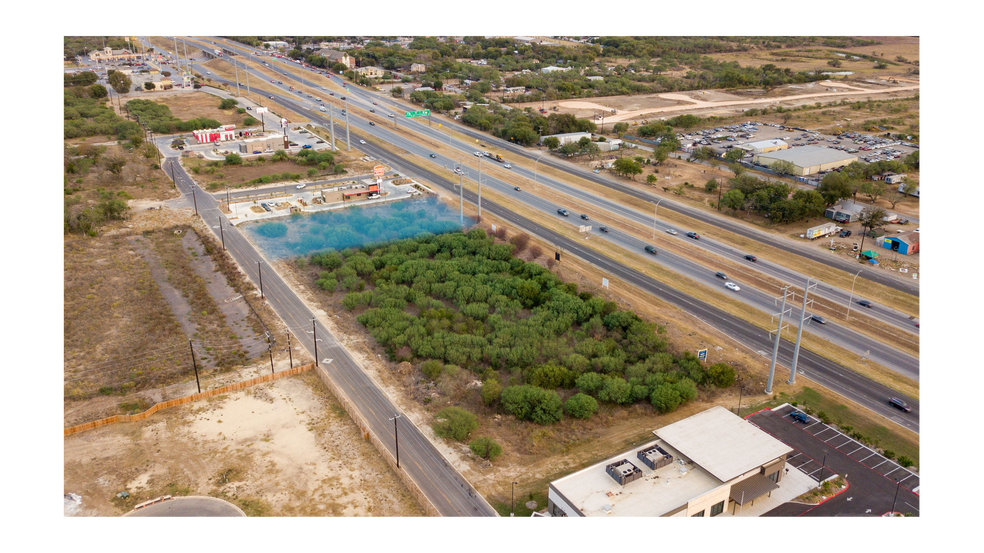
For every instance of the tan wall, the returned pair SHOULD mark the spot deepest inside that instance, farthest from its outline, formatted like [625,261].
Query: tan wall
[708,500]
[187,399]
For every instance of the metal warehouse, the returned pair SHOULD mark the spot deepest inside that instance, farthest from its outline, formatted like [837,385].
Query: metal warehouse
[807,160]
[764,146]
[907,244]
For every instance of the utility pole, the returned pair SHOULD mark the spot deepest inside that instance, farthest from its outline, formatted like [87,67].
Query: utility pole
[195,364]
[247,78]
[195,198]
[894,501]
[221,232]
[512,500]
[176,58]
[822,466]
[799,331]
[348,140]
[851,300]
[270,348]
[479,189]
[290,354]
[331,126]
[235,65]
[259,267]
[314,327]
[775,349]
[534,170]
[396,433]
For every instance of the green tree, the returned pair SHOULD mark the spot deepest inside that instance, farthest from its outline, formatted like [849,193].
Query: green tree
[233,159]
[834,187]
[454,423]
[734,155]
[531,403]
[249,121]
[871,218]
[665,398]
[651,178]
[396,91]
[782,167]
[120,82]
[581,406]
[620,128]
[98,91]
[733,200]
[491,389]
[115,164]
[485,447]
[432,369]
[228,103]
[721,375]
[872,189]
[616,390]
[711,185]
[628,167]
[590,383]
[551,142]
[834,63]
[149,85]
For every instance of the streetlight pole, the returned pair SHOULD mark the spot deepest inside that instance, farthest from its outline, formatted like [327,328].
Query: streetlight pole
[479,189]
[851,300]
[654,217]
[534,170]
[741,390]
[897,486]
[259,267]
[221,232]
[822,466]
[396,433]
[314,329]
[512,499]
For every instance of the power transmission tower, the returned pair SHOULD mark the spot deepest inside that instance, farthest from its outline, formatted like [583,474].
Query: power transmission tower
[804,318]
[775,349]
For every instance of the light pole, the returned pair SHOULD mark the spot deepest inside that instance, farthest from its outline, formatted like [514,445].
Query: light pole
[741,390]
[654,217]
[479,189]
[396,433]
[534,170]
[850,301]
[898,484]
[314,330]
[822,466]
[259,268]
[512,499]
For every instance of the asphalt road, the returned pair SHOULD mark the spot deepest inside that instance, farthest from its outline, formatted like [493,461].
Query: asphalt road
[189,507]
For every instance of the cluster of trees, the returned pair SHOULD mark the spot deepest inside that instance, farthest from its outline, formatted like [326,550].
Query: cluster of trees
[524,126]
[120,82]
[87,115]
[159,119]
[772,198]
[464,300]
[83,45]
[81,218]
[83,78]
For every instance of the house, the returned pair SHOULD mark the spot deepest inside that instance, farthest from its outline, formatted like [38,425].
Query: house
[334,56]
[567,137]
[914,192]
[371,72]
[553,68]
[418,68]
[844,213]
[701,466]
[596,78]
[514,89]
[906,244]
[423,89]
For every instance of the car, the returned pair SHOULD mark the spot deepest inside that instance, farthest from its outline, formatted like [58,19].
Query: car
[208,72]
[865,303]
[563,212]
[719,274]
[372,124]
[671,231]
[257,152]
[731,286]
[584,216]
[391,115]
[273,81]
[596,171]
[898,403]
[280,82]
[650,249]
[372,111]
[751,258]
[319,142]
[478,154]
[300,186]
[362,142]
[331,93]
[818,319]
[310,96]
[375,103]
[306,147]
[799,416]
[433,155]
[271,97]
[693,235]
[249,108]
[507,166]
[458,170]
[603,229]
[343,97]
[516,188]
[292,144]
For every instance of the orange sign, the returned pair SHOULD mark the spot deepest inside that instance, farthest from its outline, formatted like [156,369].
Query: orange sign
[378,171]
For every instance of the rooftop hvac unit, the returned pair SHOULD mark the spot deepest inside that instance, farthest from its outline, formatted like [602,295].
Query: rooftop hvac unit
[623,471]
[655,457]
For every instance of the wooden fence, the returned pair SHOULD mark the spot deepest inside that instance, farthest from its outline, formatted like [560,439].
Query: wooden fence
[187,399]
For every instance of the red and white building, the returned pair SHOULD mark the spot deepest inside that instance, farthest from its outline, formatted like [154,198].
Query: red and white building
[221,134]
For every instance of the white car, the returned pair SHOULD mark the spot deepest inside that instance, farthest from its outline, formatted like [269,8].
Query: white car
[208,72]
[362,142]
[478,154]
[731,286]
[671,231]
[302,185]
[507,166]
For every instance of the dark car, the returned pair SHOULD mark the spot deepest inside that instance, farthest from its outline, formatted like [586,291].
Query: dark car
[372,111]
[372,124]
[603,229]
[563,212]
[257,152]
[799,416]
[306,147]
[693,235]
[865,303]
[433,155]
[844,233]
[343,97]
[516,188]
[583,216]
[719,274]
[651,249]
[819,319]
[751,258]
[896,402]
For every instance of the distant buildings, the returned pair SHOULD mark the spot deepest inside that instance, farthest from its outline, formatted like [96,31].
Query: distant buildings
[418,68]
[274,44]
[108,54]
[554,68]
[567,137]
[334,56]
[371,72]
[807,160]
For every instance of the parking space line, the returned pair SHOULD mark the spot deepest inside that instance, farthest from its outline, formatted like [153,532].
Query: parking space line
[891,471]
[906,478]
[818,470]
[811,426]
[879,464]
[831,438]
[849,441]
[856,450]
[868,457]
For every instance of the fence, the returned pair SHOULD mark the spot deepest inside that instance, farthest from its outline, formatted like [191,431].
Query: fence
[187,399]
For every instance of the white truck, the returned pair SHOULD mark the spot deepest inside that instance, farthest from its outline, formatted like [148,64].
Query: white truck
[820,231]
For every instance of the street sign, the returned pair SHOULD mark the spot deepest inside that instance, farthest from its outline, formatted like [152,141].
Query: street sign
[604,282]
[420,113]
[702,354]
[378,171]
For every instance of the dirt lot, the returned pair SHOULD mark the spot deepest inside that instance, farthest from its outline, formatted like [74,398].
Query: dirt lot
[190,105]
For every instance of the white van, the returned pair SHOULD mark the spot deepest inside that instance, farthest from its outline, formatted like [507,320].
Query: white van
[322,108]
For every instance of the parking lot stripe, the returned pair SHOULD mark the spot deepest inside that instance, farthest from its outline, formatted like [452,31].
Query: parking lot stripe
[849,441]
[906,478]
[856,450]
[869,456]
[891,471]
[811,426]
[879,464]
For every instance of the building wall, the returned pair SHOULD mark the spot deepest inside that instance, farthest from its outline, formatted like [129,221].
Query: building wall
[708,500]
[555,502]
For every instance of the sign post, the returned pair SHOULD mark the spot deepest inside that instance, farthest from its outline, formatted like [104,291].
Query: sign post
[702,354]
[378,172]
[420,113]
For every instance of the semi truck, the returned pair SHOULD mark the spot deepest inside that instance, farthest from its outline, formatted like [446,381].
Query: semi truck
[498,158]
[820,231]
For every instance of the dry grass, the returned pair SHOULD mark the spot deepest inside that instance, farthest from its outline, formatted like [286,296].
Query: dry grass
[191,105]
[139,179]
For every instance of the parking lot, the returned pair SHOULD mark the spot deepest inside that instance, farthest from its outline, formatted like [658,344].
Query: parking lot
[876,484]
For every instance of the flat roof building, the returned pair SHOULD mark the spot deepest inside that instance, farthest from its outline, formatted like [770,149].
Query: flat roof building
[807,160]
[764,146]
[699,466]
[844,213]
[567,137]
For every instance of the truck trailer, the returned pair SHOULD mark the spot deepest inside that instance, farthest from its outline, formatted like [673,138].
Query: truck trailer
[820,231]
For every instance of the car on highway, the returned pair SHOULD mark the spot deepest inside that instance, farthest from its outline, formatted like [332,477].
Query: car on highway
[865,303]
[671,231]
[516,188]
[507,166]
[899,404]
[751,258]
[478,154]
[799,416]
[731,286]
[603,229]
[584,216]
[309,96]
[596,171]
[391,115]
[372,111]
[693,235]
[343,97]
[650,249]
[375,103]
[818,319]
[306,147]
[372,124]
[564,212]
[300,186]
[433,155]
[458,170]
[280,82]
[362,142]
[331,93]
[719,274]
[208,72]
[273,81]
[271,97]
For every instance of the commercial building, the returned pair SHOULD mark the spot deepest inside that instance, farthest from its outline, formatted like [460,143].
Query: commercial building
[371,72]
[554,68]
[273,44]
[844,213]
[807,160]
[417,68]
[334,56]
[267,143]
[906,244]
[221,134]
[567,137]
[700,466]
[108,54]
[764,146]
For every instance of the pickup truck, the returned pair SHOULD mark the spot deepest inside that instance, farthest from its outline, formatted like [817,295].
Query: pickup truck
[799,417]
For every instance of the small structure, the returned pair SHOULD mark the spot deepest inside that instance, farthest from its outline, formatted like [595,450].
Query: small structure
[764,146]
[914,192]
[567,137]
[514,89]
[334,56]
[554,68]
[417,68]
[906,244]
[221,134]
[844,213]
[889,177]
[807,160]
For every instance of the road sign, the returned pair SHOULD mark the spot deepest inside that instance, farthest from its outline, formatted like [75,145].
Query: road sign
[420,113]
[604,282]
[283,123]
[261,110]
[702,354]
[378,171]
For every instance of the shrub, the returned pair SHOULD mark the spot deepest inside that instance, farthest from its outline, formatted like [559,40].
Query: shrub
[888,454]
[531,403]
[432,369]
[250,121]
[590,383]
[233,159]
[454,423]
[824,417]
[581,406]
[491,389]
[228,103]
[485,447]
[665,398]
[905,461]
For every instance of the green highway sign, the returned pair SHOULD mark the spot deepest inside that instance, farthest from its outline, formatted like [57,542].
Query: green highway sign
[420,113]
